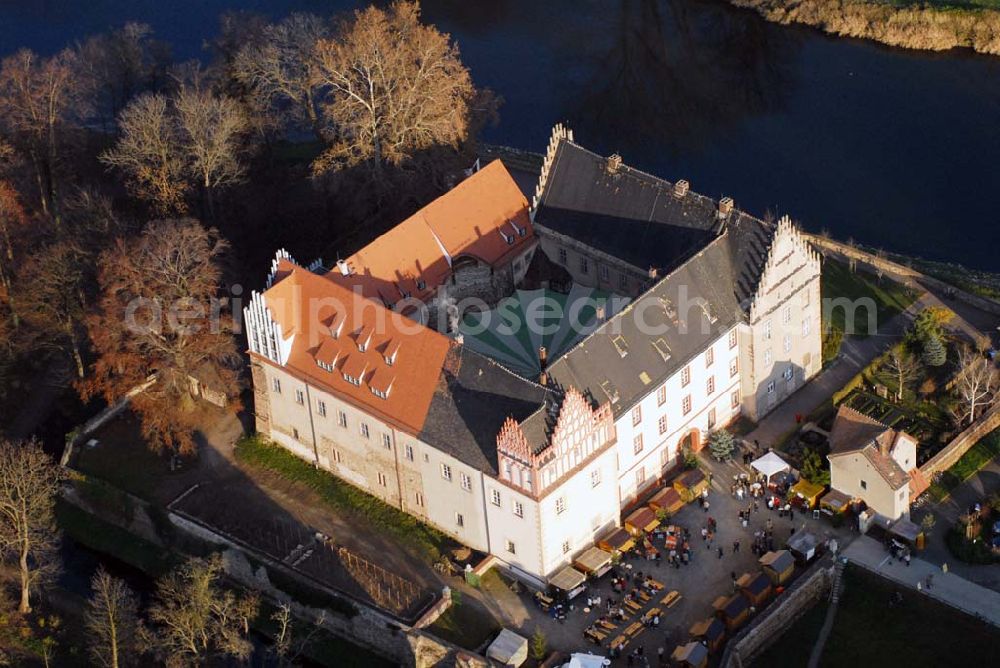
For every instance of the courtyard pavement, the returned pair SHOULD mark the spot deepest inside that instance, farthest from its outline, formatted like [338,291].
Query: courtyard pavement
[948,587]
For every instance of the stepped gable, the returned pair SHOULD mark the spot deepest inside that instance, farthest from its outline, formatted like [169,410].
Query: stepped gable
[485,217]
[473,397]
[653,336]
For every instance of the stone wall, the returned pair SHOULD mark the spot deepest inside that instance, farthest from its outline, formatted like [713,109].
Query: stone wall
[768,626]
[959,445]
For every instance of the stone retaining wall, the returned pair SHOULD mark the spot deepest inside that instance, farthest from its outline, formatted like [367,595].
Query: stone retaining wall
[959,445]
[767,627]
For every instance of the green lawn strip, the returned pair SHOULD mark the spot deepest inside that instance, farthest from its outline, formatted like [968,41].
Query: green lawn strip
[838,282]
[978,456]
[343,497]
[467,623]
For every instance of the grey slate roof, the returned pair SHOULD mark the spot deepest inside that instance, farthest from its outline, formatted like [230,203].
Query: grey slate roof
[473,398]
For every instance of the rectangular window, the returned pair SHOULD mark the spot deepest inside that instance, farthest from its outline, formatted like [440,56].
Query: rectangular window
[420,499]
[595,477]
[336,455]
[711,418]
[770,387]
[387,441]
[767,330]
[408,451]
[459,519]
[767,358]
[636,415]
[381,479]
[519,509]
[295,434]
[584,266]
[560,505]
[864,485]
[321,408]
[511,547]
[786,315]
[446,472]
[300,397]
[806,326]
[640,477]
[565,546]
[710,385]
[787,343]
[734,367]
[364,430]
[732,339]
[685,376]
[788,373]
[603,269]
[495,497]
[734,398]
[276,385]
[686,404]
[663,424]
[623,281]
[637,444]
[661,396]
[562,256]
[342,418]
[709,357]
[466,483]
[664,457]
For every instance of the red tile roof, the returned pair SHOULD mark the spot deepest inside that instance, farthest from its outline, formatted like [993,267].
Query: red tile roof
[485,216]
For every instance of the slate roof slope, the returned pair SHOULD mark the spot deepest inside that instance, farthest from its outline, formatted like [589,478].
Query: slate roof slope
[597,368]
[629,214]
[473,397]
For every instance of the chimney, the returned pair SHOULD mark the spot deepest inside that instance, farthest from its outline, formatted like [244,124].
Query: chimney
[614,163]
[600,313]
[543,362]
[653,272]
[725,207]
[681,188]
[345,269]
[884,444]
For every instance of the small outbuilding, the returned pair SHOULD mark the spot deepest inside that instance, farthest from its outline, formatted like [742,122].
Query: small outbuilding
[690,485]
[778,566]
[594,563]
[733,611]
[509,649]
[756,587]
[667,500]
[641,520]
[807,493]
[710,631]
[804,546]
[834,502]
[569,581]
[617,541]
[692,655]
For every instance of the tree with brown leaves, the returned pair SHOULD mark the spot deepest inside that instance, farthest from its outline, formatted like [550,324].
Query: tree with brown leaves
[29,482]
[159,317]
[194,618]
[40,98]
[395,87]
[112,621]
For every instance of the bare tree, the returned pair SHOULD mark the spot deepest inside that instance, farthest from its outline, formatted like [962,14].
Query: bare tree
[288,644]
[903,368]
[13,220]
[39,100]
[148,152]
[29,482]
[975,383]
[396,87]
[159,316]
[112,621]
[282,67]
[214,131]
[115,66]
[194,618]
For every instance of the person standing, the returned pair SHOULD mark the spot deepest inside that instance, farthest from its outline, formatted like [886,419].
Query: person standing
[721,553]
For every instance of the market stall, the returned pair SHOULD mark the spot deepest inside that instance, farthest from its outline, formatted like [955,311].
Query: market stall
[805,494]
[778,566]
[711,631]
[769,465]
[733,610]
[692,654]
[641,520]
[804,545]
[690,485]
[594,563]
[834,502]
[617,542]
[667,500]
[756,587]
[569,581]
[509,649]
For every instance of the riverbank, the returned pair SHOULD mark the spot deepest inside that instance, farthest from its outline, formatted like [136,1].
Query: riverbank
[932,26]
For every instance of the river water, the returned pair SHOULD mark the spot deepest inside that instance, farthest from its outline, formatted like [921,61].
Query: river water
[891,147]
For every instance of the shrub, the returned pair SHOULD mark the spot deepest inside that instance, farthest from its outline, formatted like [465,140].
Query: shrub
[721,443]
[934,353]
[539,644]
[832,340]
[814,469]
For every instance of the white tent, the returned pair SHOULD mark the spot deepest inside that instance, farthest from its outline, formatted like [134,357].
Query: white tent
[770,464]
[586,661]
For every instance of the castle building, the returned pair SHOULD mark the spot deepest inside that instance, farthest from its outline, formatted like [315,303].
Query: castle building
[354,368]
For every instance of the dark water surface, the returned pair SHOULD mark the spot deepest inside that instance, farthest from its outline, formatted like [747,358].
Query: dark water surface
[894,148]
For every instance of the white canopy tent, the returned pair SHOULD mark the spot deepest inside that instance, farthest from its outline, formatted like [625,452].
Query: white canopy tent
[770,464]
[586,661]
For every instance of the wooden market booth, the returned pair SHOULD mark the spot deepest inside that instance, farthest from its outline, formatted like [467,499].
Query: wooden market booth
[733,611]
[667,500]
[711,630]
[569,581]
[778,566]
[617,542]
[834,502]
[593,563]
[692,655]
[756,587]
[807,492]
[641,521]
[691,484]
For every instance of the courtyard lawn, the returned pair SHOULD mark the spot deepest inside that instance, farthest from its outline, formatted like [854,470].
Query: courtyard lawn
[838,282]
[978,456]
[868,632]
[258,453]
[467,623]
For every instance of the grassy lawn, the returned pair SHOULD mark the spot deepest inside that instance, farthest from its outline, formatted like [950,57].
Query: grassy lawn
[978,456]
[867,632]
[838,282]
[343,497]
[467,623]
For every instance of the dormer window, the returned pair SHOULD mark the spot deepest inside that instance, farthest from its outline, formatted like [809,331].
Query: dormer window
[519,231]
[621,345]
[506,237]
[421,284]
[352,380]
[661,347]
[380,394]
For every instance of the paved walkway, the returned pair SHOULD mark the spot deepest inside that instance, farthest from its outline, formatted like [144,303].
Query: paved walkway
[948,587]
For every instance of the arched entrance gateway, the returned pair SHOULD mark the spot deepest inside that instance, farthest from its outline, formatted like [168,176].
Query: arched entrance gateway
[692,440]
